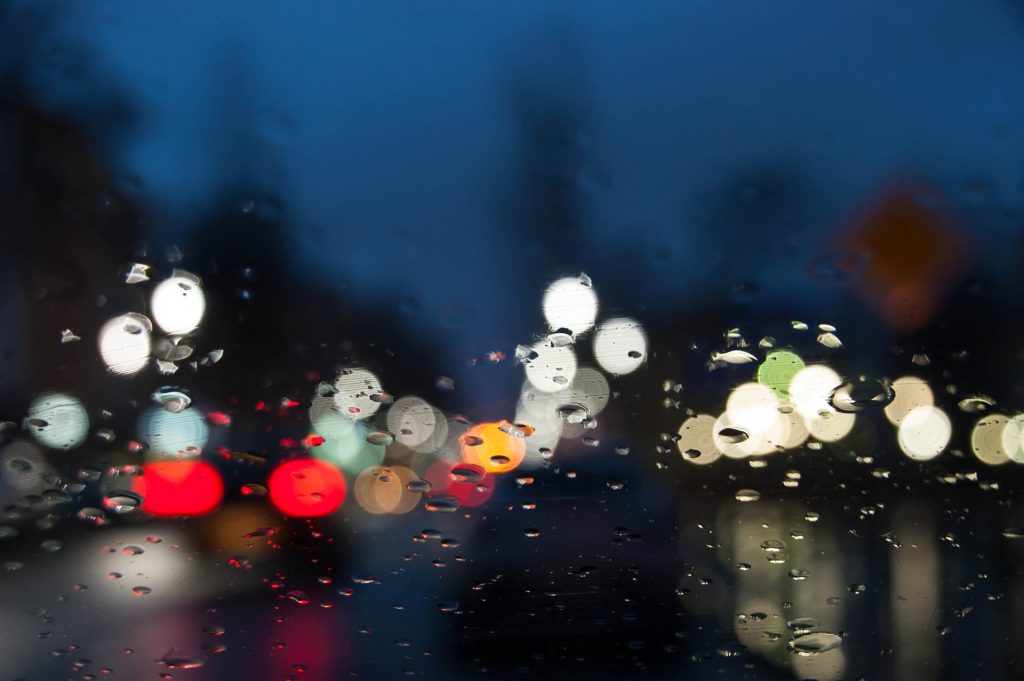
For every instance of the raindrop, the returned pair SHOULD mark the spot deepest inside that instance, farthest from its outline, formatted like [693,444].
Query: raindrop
[976,404]
[815,643]
[830,340]
[517,429]
[141,590]
[298,596]
[560,338]
[733,357]
[443,504]
[531,533]
[137,274]
[802,625]
[746,495]
[254,489]
[573,413]
[380,438]
[732,436]
[858,394]
[91,516]
[172,661]
[466,473]
[471,440]
[418,486]
[121,502]
[172,400]
[325,389]
[51,545]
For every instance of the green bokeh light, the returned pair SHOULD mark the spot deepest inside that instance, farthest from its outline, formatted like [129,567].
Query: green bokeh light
[777,370]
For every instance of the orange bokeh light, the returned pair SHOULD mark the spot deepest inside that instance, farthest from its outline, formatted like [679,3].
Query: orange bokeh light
[491,448]
[306,488]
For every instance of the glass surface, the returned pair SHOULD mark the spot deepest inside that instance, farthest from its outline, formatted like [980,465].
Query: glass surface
[495,340]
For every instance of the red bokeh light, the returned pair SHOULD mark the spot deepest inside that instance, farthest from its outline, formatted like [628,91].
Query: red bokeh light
[469,494]
[177,488]
[306,488]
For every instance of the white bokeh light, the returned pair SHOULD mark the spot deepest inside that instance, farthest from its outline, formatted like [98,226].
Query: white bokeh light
[696,441]
[989,437]
[753,407]
[924,432]
[173,435]
[570,304]
[58,421]
[620,346]
[1013,438]
[125,343]
[178,303]
[358,393]
[909,393]
[553,369]
[416,424]
[810,389]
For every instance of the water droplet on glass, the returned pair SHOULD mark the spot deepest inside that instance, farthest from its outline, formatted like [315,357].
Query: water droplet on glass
[141,590]
[830,340]
[51,545]
[560,338]
[298,596]
[92,516]
[858,394]
[442,504]
[733,357]
[517,429]
[418,486]
[172,400]
[746,495]
[732,436]
[573,413]
[466,473]
[976,404]
[814,643]
[173,661]
[380,438]
[802,625]
[137,274]
[121,502]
